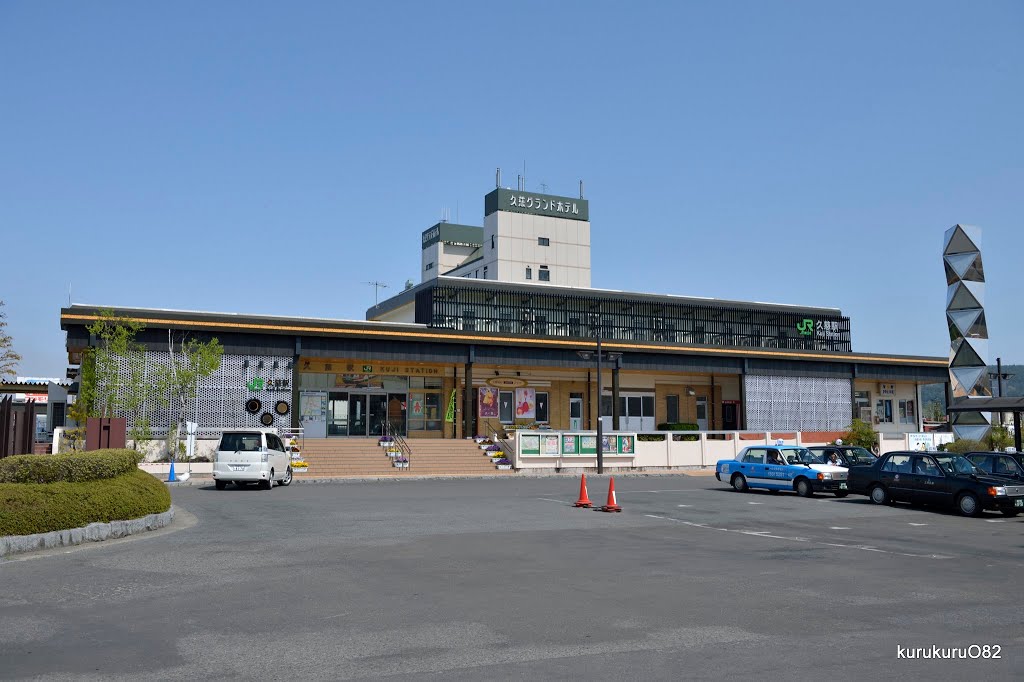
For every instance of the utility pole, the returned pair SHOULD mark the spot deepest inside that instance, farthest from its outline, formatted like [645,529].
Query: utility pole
[377,286]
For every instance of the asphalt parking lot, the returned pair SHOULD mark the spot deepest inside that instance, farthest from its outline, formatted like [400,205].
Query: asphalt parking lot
[503,579]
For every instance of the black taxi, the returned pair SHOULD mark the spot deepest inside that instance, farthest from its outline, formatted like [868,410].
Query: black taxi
[939,478]
[842,455]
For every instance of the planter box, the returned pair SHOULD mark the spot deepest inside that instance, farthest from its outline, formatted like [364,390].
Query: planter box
[504,467]
[401,465]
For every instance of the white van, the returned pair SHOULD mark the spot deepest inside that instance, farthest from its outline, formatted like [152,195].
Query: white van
[251,456]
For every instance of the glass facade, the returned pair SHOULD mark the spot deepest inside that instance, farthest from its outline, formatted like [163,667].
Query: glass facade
[532,312]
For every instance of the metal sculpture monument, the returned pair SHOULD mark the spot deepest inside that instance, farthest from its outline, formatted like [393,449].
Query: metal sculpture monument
[968,332]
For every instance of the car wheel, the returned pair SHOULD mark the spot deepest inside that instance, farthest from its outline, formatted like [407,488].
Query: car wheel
[287,477]
[879,495]
[739,483]
[842,493]
[804,488]
[967,504]
[221,484]
[269,483]
[1010,512]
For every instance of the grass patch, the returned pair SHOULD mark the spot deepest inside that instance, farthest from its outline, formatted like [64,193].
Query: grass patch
[27,508]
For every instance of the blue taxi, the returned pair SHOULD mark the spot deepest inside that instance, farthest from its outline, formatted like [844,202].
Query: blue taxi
[781,467]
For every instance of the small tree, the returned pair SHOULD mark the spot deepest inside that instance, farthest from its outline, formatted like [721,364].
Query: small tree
[8,358]
[934,411]
[190,362]
[860,433]
[103,390]
[999,438]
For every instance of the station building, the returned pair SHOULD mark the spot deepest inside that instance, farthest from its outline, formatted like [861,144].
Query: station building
[491,339]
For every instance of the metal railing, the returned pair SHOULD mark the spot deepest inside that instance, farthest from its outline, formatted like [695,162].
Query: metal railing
[399,441]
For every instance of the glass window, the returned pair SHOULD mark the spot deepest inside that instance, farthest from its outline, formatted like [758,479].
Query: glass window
[58,414]
[543,241]
[485,272]
[754,456]
[505,407]
[492,241]
[529,272]
[544,275]
[883,411]
[1006,466]
[672,409]
[240,442]
[982,462]
[648,405]
[542,408]
[430,266]
[898,464]
[907,415]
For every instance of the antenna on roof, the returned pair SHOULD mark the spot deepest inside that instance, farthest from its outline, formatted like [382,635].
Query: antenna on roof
[581,189]
[377,286]
[497,178]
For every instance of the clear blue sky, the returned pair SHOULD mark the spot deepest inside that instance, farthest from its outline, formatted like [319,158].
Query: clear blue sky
[274,157]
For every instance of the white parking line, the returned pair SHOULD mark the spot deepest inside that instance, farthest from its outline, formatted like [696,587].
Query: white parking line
[548,499]
[996,520]
[755,502]
[839,528]
[765,534]
[684,505]
[917,524]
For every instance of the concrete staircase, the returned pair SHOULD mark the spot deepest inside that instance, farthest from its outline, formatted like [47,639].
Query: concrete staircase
[330,457]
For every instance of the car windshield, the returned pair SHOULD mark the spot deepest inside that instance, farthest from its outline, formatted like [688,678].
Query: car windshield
[860,456]
[798,456]
[955,464]
[240,442]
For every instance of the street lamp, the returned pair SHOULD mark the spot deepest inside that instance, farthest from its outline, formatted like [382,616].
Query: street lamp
[589,355]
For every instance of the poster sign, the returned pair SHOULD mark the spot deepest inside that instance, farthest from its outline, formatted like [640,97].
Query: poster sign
[417,405]
[608,444]
[588,445]
[625,445]
[529,445]
[570,445]
[549,444]
[526,403]
[920,441]
[488,397]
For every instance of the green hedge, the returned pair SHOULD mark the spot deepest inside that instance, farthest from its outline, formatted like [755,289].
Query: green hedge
[677,426]
[76,468]
[27,508]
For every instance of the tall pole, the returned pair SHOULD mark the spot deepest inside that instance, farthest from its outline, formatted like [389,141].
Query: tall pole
[999,384]
[600,430]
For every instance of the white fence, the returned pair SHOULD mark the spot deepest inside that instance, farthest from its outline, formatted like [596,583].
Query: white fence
[705,449]
[701,449]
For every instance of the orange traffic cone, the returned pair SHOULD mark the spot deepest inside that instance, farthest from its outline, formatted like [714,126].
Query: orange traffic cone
[584,501]
[613,505]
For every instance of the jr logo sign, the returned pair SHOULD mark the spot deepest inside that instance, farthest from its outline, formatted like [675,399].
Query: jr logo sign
[255,384]
[805,327]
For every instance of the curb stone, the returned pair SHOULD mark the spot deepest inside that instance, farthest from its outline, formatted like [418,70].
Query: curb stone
[94,532]
[516,476]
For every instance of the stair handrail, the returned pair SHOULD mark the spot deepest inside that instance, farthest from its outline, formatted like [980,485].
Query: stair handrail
[399,440]
[506,449]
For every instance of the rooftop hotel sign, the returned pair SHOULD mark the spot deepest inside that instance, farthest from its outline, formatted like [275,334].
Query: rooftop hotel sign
[536,204]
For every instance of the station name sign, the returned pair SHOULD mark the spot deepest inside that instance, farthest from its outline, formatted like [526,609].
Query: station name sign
[536,204]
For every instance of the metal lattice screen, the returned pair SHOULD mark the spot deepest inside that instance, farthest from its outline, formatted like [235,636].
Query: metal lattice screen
[797,403]
[220,398]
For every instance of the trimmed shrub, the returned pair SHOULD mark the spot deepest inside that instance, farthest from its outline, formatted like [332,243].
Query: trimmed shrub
[651,437]
[677,426]
[963,445]
[72,468]
[27,508]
